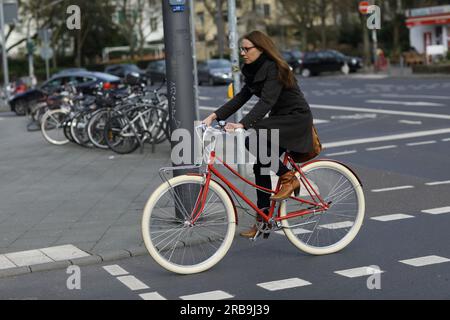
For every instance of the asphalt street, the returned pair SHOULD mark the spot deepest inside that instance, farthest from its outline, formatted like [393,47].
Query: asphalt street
[394,133]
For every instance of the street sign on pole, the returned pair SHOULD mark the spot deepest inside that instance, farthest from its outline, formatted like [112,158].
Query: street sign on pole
[46,52]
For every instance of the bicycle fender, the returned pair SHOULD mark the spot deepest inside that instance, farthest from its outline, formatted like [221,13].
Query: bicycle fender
[339,162]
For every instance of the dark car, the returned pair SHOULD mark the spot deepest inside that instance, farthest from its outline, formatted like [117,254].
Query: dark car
[121,70]
[156,71]
[354,63]
[314,63]
[294,59]
[85,82]
[214,71]
[69,70]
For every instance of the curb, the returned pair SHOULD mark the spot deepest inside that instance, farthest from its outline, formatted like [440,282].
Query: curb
[97,258]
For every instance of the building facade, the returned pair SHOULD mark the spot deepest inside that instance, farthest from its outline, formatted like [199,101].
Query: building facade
[429,27]
[264,15]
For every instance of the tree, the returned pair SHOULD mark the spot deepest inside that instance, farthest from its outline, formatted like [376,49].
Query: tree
[302,14]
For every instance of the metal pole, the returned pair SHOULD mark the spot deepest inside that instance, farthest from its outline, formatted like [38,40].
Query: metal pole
[4,52]
[234,47]
[375,47]
[180,81]
[194,58]
[46,46]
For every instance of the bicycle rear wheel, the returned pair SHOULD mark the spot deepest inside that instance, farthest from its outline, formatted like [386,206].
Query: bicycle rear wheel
[332,230]
[119,135]
[176,242]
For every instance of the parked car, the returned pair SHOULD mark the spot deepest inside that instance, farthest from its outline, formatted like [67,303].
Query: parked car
[85,82]
[354,63]
[121,70]
[69,70]
[294,59]
[156,71]
[214,71]
[314,63]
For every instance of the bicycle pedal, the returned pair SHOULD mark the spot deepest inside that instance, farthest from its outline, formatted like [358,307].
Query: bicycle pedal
[266,235]
[258,233]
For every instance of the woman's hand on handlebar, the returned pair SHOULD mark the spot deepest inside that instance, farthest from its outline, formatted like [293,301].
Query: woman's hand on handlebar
[231,127]
[208,121]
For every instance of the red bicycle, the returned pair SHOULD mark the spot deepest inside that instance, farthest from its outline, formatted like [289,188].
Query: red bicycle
[189,222]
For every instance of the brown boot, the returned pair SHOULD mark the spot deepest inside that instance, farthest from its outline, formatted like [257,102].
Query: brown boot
[250,233]
[289,184]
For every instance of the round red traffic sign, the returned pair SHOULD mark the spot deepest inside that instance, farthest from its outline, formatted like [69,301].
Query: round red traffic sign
[363,6]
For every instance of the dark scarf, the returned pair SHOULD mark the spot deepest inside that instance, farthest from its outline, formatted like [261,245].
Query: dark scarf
[250,70]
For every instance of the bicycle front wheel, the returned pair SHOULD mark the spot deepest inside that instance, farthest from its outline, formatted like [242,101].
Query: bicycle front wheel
[172,238]
[331,230]
[52,126]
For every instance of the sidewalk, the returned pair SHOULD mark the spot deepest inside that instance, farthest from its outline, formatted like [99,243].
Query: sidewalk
[92,199]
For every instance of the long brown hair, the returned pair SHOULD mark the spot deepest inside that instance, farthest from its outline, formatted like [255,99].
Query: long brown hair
[264,43]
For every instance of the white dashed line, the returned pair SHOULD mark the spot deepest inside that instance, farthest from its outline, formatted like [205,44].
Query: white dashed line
[392,189]
[406,103]
[446,140]
[211,295]
[152,296]
[382,148]
[358,272]
[296,231]
[410,122]
[382,111]
[132,283]
[393,95]
[437,210]
[392,217]
[340,153]
[436,183]
[284,284]
[386,138]
[115,270]
[420,143]
[425,261]
[338,225]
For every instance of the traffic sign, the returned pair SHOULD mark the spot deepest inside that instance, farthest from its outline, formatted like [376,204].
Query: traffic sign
[46,53]
[363,6]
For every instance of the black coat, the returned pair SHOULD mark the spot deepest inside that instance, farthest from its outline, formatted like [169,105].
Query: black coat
[289,111]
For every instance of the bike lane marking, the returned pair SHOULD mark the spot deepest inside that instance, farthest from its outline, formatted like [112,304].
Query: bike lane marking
[392,217]
[425,261]
[115,270]
[211,295]
[392,188]
[437,183]
[358,272]
[420,143]
[132,282]
[284,284]
[437,210]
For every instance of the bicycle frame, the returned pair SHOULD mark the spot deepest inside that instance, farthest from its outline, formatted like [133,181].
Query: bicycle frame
[317,205]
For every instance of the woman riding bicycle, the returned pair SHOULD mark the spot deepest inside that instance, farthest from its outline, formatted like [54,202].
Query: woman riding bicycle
[269,77]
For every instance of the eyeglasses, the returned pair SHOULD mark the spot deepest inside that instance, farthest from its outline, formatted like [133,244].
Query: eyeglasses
[246,49]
